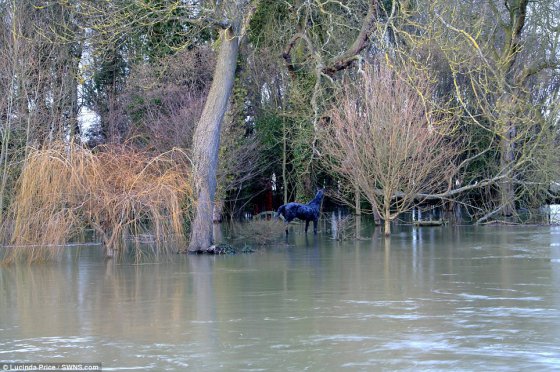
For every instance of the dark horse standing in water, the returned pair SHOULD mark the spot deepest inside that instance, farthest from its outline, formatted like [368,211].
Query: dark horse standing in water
[305,212]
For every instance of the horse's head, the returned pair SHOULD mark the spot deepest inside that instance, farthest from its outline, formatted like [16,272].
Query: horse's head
[319,196]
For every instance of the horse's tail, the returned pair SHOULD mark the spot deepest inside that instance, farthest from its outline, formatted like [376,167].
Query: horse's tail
[280,211]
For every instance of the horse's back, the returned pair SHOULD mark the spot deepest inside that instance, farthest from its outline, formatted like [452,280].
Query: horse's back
[307,213]
[288,211]
[301,211]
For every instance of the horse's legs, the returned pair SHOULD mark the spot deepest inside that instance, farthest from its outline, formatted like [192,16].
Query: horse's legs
[315,227]
[286,223]
[306,225]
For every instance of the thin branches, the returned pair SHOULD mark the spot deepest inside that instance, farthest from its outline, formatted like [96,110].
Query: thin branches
[381,141]
[117,191]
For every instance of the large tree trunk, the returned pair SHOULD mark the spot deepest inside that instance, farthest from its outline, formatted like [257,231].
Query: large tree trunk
[207,141]
[518,14]
[387,221]
[284,160]
[357,201]
[387,230]
[507,157]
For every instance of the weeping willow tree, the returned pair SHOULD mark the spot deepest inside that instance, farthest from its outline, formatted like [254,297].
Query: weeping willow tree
[120,192]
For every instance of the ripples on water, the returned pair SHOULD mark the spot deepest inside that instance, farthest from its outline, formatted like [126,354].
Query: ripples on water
[431,299]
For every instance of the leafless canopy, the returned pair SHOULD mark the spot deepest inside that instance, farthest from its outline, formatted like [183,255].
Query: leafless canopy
[384,139]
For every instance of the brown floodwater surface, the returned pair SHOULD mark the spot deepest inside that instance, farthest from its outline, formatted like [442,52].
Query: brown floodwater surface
[431,298]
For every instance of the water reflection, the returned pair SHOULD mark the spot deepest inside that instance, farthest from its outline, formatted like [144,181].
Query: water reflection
[428,298]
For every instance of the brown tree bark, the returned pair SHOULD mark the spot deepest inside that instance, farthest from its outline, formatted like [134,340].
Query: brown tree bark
[507,159]
[517,14]
[206,140]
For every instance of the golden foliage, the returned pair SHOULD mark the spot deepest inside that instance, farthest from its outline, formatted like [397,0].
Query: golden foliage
[116,190]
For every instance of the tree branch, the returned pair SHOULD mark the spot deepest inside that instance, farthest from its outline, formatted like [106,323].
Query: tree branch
[351,55]
[460,190]
[347,58]
[287,53]
[223,24]
[535,69]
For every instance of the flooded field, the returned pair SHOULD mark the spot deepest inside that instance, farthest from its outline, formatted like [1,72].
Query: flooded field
[431,298]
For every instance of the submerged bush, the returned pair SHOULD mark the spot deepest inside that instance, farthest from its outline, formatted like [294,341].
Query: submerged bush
[345,228]
[260,232]
[118,191]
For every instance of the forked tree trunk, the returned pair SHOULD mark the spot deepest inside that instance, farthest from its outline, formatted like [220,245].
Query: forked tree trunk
[206,141]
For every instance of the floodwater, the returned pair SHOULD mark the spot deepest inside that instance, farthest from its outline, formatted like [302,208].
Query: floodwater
[431,298]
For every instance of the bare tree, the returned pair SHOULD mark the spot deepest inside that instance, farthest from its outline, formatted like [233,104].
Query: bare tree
[163,101]
[494,69]
[383,139]
[39,102]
